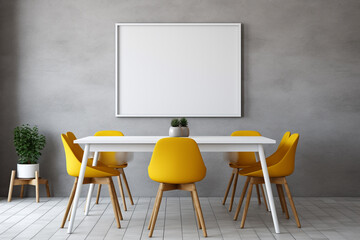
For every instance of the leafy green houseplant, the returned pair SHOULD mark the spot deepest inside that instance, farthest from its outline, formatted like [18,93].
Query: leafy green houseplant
[175,129]
[175,122]
[183,122]
[28,144]
[185,132]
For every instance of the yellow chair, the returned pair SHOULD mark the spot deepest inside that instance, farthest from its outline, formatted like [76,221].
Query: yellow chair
[280,165]
[244,159]
[79,152]
[270,160]
[177,164]
[109,159]
[95,175]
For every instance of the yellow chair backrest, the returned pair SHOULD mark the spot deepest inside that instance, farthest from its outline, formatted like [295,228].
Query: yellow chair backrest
[284,139]
[176,161]
[78,151]
[245,158]
[108,158]
[72,162]
[286,164]
[280,152]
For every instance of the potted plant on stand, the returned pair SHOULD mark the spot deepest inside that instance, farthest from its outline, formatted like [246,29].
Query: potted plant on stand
[175,129]
[28,144]
[185,132]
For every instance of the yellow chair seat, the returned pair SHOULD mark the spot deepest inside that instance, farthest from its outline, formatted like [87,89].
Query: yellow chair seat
[100,172]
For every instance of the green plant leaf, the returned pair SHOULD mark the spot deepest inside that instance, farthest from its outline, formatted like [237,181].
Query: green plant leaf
[175,122]
[28,144]
[183,122]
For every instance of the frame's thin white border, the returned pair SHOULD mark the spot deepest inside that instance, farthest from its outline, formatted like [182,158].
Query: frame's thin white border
[117,26]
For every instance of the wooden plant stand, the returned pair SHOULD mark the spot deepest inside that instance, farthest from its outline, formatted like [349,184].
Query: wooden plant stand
[27,181]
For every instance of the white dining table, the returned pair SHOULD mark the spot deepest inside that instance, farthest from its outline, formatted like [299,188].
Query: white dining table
[98,144]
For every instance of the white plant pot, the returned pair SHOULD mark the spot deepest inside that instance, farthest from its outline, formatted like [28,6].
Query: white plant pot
[175,131]
[185,132]
[27,170]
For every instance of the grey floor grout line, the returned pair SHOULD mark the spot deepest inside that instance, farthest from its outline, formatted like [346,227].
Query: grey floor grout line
[45,225]
[93,205]
[142,229]
[22,200]
[215,217]
[98,219]
[29,203]
[136,204]
[60,200]
[79,204]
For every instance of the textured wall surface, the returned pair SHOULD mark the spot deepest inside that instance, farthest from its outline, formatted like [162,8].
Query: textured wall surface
[301,73]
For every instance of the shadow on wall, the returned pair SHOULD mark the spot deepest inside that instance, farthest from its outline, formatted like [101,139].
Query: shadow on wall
[8,89]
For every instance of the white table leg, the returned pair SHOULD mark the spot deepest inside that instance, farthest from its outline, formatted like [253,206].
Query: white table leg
[268,188]
[91,188]
[78,187]
[266,197]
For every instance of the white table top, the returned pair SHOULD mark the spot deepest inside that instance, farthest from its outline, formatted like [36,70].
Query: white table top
[154,139]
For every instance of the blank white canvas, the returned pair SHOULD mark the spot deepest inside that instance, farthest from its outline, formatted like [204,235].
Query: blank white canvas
[166,70]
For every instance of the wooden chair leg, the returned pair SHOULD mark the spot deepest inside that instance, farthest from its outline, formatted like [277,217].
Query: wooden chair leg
[228,187]
[98,194]
[248,197]
[234,190]
[37,186]
[156,207]
[263,193]
[153,210]
[196,210]
[127,186]
[11,186]
[22,191]
[116,200]
[47,189]
[258,193]
[278,186]
[122,192]
[282,198]
[198,206]
[292,203]
[71,198]
[241,198]
[112,197]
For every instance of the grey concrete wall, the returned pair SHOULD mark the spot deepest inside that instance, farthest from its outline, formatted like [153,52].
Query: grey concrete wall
[301,73]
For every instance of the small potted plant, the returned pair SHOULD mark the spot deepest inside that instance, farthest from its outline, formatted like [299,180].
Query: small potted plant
[184,127]
[175,129]
[28,144]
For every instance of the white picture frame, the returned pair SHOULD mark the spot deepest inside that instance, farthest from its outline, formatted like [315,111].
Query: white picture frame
[178,69]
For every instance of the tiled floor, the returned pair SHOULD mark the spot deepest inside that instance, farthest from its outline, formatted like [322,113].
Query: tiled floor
[321,218]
